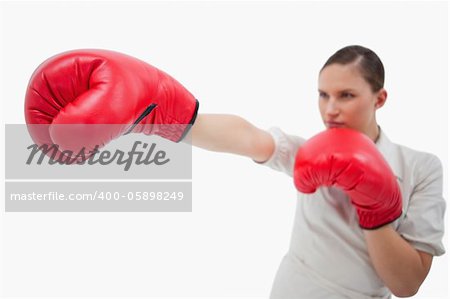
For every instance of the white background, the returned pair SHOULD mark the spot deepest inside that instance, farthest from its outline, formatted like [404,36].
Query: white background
[259,60]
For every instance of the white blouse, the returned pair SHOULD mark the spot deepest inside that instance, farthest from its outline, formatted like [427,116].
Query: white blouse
[328,256]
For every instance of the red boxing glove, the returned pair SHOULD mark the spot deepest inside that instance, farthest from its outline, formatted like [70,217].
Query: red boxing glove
[104,87]
[348,159]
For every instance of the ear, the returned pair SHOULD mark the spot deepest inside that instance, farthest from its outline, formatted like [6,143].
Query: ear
[381,97]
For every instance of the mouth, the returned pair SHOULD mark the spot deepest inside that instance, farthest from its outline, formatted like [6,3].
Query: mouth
[334,124]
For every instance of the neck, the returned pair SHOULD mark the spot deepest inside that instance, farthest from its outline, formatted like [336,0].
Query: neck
[374,134]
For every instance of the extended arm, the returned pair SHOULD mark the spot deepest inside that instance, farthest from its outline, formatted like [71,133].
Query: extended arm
[232,134]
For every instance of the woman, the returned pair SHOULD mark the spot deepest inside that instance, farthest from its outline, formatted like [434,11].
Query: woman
[330,255]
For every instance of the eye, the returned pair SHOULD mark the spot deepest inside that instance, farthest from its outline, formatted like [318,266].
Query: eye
[347,95]
[322,95]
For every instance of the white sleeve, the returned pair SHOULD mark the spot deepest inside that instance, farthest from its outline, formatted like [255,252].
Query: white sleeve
[423,225]
[283,156]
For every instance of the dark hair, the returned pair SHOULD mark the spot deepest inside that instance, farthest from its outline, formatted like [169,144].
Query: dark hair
[368,63]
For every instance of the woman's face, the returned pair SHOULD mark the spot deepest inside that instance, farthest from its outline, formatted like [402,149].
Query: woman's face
[346,99]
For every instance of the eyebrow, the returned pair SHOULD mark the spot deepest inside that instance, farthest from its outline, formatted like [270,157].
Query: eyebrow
[344,90]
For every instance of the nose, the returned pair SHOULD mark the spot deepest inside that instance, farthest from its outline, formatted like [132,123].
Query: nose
[332,107]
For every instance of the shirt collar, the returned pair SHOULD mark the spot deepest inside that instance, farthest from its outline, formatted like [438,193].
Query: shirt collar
[390,153]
